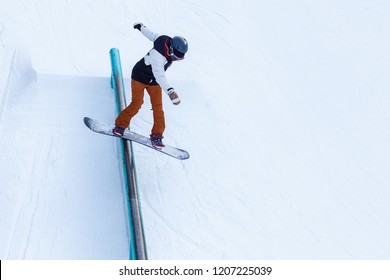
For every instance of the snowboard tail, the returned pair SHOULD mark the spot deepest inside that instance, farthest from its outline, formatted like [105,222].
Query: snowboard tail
[103,128]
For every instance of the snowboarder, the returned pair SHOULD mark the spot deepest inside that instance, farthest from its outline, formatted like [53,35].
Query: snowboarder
[149,74]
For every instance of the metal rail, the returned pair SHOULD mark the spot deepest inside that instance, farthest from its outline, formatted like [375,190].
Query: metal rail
[137,237]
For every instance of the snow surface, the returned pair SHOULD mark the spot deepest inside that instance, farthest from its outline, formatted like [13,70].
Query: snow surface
[285,112]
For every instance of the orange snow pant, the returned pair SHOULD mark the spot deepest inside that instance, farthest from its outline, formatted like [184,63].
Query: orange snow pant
[137,99]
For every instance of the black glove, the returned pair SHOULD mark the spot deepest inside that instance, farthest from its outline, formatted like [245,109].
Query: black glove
[138,25]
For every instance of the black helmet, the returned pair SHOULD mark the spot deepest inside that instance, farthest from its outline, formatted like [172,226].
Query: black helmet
[180,46]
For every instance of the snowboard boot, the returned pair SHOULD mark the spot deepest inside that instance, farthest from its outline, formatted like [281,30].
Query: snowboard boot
[156,139]
[119,131]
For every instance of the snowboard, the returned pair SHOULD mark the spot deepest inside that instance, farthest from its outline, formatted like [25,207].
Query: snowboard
[106,129]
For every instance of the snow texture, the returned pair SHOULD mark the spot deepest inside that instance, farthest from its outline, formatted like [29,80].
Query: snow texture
[285,111]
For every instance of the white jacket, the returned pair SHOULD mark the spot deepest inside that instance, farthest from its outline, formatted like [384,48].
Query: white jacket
[156,60]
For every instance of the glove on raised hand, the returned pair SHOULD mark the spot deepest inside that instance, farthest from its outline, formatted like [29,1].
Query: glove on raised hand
[138,25]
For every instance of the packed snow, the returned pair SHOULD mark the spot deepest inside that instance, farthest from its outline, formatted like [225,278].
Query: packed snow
[285,111]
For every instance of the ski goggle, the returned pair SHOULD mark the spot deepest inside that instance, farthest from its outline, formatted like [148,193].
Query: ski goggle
[174,56]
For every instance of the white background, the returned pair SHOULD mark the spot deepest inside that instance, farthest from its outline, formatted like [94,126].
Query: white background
[285,112]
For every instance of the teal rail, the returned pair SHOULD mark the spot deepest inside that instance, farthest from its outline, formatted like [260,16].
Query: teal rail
[137,238]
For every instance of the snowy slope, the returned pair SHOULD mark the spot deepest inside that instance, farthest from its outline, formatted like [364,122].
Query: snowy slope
[285,112]
[56,201]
